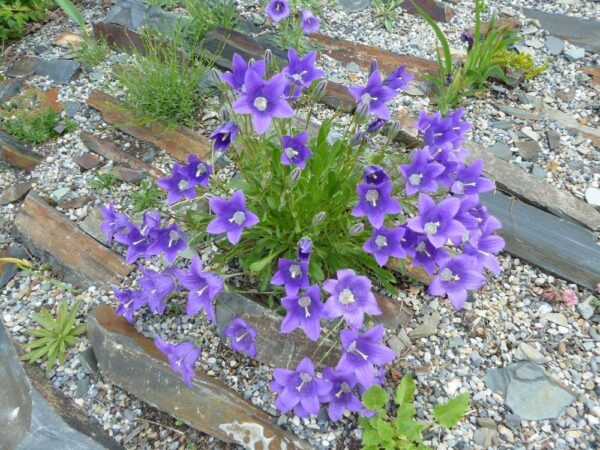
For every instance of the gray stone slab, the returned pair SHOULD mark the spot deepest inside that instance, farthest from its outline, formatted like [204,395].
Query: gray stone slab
[582,32]
[353,6]
[136,15]
[58,70]
[15,403]
[9,88]
[557,245]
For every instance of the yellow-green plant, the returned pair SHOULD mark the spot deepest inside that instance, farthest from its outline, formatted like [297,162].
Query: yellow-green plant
[521,61]
[54,336]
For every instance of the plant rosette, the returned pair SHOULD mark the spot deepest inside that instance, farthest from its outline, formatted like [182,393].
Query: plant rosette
[314,219]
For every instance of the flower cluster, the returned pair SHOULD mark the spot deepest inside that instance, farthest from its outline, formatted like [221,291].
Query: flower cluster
[280,10]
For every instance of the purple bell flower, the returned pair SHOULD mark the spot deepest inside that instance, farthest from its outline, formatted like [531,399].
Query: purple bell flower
[263,100]
[374,96]
[203,288]
[351,298]
[469,212]
[236,79]
[196,171]
[156,288]
[242,337]
[375,201]
[386,242]
[310,23]
[129,302]
[301,389]
[469,181]
[455,276]
[292,275]
[140,239]
[398,79]
[304,249]
[278,10]
[362,352]
[421,174]
[232,216]
[178,185]
[295,150]
[437,222]
[169,241]
[375,125]
[420,249]
[437,131]
[181,357]
[224,135]
[301,72]
[449,158]
[375,175]
[484,245]
[303,311]
[342,396]
[114,222]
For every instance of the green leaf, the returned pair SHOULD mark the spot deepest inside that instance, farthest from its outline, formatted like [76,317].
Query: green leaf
[440,35]
[409,428]
[406,390]
[385,430]
[72,11]
[371,438]
[450,413]
[406,411]
[259,265]
[375,398]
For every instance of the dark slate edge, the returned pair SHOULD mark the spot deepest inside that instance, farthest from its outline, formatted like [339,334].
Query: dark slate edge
[17,153]
[558,246]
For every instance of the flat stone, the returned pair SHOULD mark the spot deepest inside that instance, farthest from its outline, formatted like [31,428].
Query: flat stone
[137,15]
[9,270]
[9,88]
[91,225]
[557,318]
[58,70]
[485,437]
[60,194]
[526,351]
[396,345]
[353,6]
[585,308]
[17,153]
[72,108]
[554,45]
[16,192]
[528,391]
[73,255]
[529,150]
[428,327]
[538,172]
[67,39]
[128,175]
[88,160]
[582,32]
[534,42]
[76,202]
[530,133]
[438,11]
[566,95]
[589,73]
[503,124]
[501,150]
[592,196]
[575,53]
[519,113]
[553,139]
[132,361]
[352,67]
[24,67]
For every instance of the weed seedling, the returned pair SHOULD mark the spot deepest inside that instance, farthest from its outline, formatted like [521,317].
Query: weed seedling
[104,181]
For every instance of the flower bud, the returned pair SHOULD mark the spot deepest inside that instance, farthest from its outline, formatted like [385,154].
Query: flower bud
[268,57]
[320,89]
[357,228]
[295,175]
[251,62]
[373,67]
[394,129]
[362,109]
[318,218]
[359,138]
[225,114]
[304,249]
[216,75]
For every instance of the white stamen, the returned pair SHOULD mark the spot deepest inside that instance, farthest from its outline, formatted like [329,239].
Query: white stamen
[239,338]
[415,179]
[173,237]
[381,241]
[346,297]
[290,152]
[305,302]
[344,389]
[431,227]
[201,291]
[260,103]
[366,98]
[182,185]
[372,196]
[352,349]
[295,271]
[201,170]
[239,217]
[306,378]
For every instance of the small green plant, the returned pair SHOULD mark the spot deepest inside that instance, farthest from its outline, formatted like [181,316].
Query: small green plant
[147,196]
[15,14]
[104,181]
[383,431]
[206,16]
[457,81]
[92,51]
[35,127]
[521,61]
[386,12]
[55,335]
[164,84]
[167,5]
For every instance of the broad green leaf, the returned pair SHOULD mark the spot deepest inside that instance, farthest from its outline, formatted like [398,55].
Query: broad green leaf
[406,390]
[411,429]
[375,398]
[450,413]
[385,430]
[35,355]
[72,11]
[406,411]
[259,265]
[370,437]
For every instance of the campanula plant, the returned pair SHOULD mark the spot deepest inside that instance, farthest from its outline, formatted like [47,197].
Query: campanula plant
[293,25]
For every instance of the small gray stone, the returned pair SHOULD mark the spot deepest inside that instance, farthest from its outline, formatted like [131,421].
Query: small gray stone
[396,345]
[529,150]
[428,327]
[557,318]
[553,139]
[501,150]
[352,6]
[573,54]
[582,78]
[258,19]
[60,194]
[455,342]
[485,437]
[513,422]
[16,192]
[9,88]
[592,196]
[352,67]
[502,124]
[82,387]
[533,42]
[526,351]
[88,361]
[72,108]
[585,308]
[538,172]
[554,45]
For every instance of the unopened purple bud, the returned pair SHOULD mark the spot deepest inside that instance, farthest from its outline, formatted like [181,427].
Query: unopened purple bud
[394,129]
[295,175]
[225,114]
[304,249]
[375,125]
[359,138]
[362,110]
[320,89]
[449,78]
[468,38]
[319,218]
[357,228]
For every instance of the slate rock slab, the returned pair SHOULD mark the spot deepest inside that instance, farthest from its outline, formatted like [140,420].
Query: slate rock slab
[74,255]
[9,87]
[16,192]
[58,70]
[16,153]
[136,15]
[529,150]
[578,31]
[353,6]
[133,362]
[529,391]
[501,150]
[554,45]
[24,67]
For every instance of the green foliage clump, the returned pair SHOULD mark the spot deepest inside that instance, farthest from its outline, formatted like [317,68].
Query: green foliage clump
[521,61]
[386,12]
[55,335]
[403,432]
[15,14]
[92,51]
[206,16]
[454,82]
[163,84]
[104,181]
[147,196]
